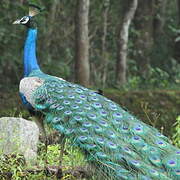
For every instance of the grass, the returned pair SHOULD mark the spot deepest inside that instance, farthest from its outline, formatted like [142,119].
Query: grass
[176,135]
[15,166]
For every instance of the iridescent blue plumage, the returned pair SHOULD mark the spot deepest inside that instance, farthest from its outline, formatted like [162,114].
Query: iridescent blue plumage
[117,144]
[30,60]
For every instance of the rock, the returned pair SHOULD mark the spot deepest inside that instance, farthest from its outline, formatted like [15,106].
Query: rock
[18,135]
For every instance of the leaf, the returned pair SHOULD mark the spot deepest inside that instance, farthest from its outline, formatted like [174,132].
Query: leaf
[177,39]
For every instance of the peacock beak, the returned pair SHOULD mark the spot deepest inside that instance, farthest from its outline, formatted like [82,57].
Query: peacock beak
[17,21]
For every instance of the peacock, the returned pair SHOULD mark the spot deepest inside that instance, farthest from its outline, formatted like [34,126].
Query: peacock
[114,142]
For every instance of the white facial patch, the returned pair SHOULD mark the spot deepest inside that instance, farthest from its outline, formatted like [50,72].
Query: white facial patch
[28,86]
[24,20]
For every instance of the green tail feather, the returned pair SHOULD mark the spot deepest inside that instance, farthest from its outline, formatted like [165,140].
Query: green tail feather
[114,141]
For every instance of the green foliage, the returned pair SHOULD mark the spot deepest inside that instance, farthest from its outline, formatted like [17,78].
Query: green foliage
[176,135]
[11,165]
[72,157]
[156,79]
[14,165]
[56,44]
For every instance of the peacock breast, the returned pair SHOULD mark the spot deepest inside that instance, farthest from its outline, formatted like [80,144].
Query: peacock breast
[28,86]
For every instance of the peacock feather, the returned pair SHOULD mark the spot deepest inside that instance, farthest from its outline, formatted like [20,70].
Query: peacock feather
[113,141]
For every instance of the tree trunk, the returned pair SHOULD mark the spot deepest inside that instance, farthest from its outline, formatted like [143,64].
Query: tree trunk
[51,23]
[178,5]
[82,69]
[144,41]
[103,48]
[50,30]
[122,43]
[160,17]
[177,43]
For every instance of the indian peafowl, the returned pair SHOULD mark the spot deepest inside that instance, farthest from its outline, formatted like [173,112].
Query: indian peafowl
[113,141]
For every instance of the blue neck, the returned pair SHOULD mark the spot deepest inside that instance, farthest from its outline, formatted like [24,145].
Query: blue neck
[30,61]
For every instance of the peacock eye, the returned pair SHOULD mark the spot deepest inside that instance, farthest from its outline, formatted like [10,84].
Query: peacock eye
[24,20]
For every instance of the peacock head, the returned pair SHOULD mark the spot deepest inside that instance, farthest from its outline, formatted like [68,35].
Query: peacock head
[24,20]
[29,20]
